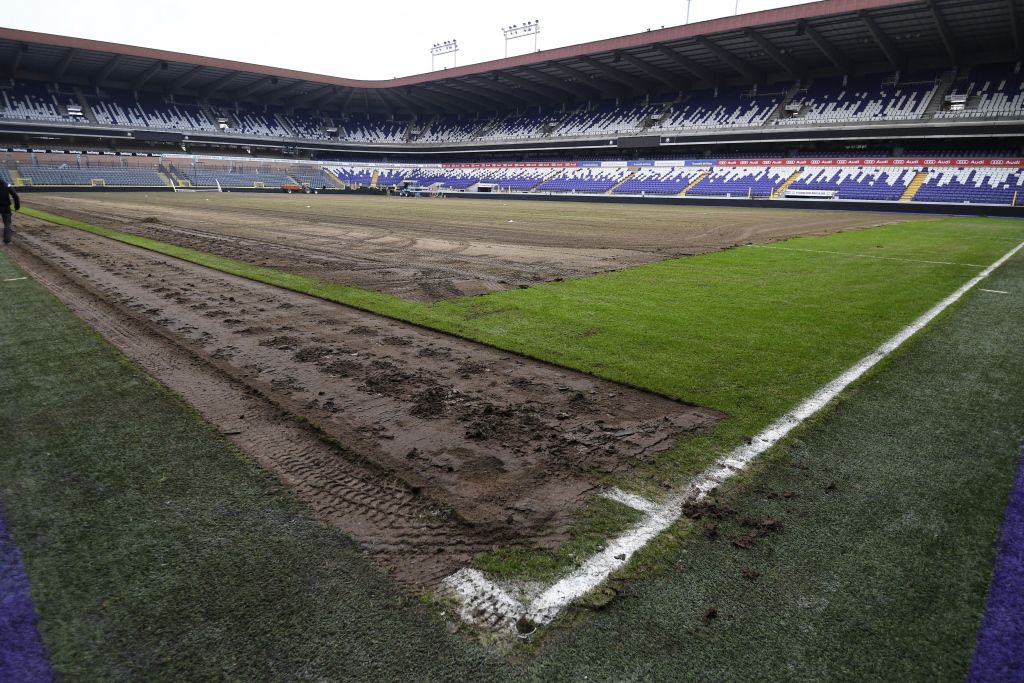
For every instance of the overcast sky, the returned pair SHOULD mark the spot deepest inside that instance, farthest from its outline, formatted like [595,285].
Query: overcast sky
[369,40]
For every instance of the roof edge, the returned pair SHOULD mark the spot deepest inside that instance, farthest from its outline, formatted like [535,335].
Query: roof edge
[806,11]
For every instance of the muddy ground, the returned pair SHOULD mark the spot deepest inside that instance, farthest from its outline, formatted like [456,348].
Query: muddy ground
[426,448]
[431,249]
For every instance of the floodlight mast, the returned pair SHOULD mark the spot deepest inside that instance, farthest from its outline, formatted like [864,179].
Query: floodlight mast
[448,47]
[530,28]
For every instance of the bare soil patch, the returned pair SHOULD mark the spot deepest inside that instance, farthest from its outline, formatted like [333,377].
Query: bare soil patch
[444,447]
[432,249]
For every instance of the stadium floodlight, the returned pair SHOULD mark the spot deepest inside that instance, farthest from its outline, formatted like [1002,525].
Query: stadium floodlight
[448,47]
[530,28]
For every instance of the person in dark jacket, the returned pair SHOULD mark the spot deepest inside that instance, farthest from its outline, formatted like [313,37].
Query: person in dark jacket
[7,195]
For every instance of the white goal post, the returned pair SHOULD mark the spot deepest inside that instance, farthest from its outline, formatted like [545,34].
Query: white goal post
[199,189]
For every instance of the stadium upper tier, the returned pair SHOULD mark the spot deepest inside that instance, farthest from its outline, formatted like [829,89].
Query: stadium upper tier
[990,92]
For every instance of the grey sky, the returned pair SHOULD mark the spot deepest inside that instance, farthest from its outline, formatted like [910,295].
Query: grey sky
[354,39]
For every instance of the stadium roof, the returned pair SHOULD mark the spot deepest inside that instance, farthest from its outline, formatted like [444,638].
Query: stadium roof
[820,38]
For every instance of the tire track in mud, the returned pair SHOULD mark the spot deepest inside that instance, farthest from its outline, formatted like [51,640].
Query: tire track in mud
[447,447]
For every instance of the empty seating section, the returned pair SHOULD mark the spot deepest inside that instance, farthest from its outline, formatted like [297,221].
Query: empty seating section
[520,126]
[727,109]
[510,179]
[608,118]
[973,185]
[353,176]
[451,129]
[584,180]
[862,99]
[661,180]
[514,179]
[306,124]
[314,180]
[390,177]
[35,101]
[362,175]
[73,175]
[741,182]
[461,179]
[992,91]
[263,124]
[456,179]
[121,108]
[363,129]
[200,178]
[980,185]
[874,184]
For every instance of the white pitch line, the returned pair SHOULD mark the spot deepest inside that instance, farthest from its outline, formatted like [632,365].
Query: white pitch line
[993,291]
[487,604]
[880,258]
[15,279]
[631,500]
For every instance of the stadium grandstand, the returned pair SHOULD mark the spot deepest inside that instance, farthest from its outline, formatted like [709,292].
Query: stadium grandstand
[852,100]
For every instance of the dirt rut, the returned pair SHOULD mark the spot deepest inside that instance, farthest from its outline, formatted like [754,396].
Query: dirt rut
[427,250]
[446,447]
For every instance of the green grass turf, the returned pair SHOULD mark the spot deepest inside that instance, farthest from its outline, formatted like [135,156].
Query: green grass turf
[157,552]
[888,507]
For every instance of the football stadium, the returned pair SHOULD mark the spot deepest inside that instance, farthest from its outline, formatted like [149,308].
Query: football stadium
[690,354]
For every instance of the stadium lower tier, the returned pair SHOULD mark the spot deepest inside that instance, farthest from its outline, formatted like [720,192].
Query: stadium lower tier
[993,181]
[976,181]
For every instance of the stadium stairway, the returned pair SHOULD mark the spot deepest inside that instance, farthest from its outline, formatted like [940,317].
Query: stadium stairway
[566,115]
[781,190]
[548,177]
[914,186]
[777,114]
[374,178]
[696,180]
[16,178]
[486,128]
[628,177]
[945,84]
[208,113]
[655,118]
[333,180]
[173,179]
[422,126]
[83,102]
[284,124]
